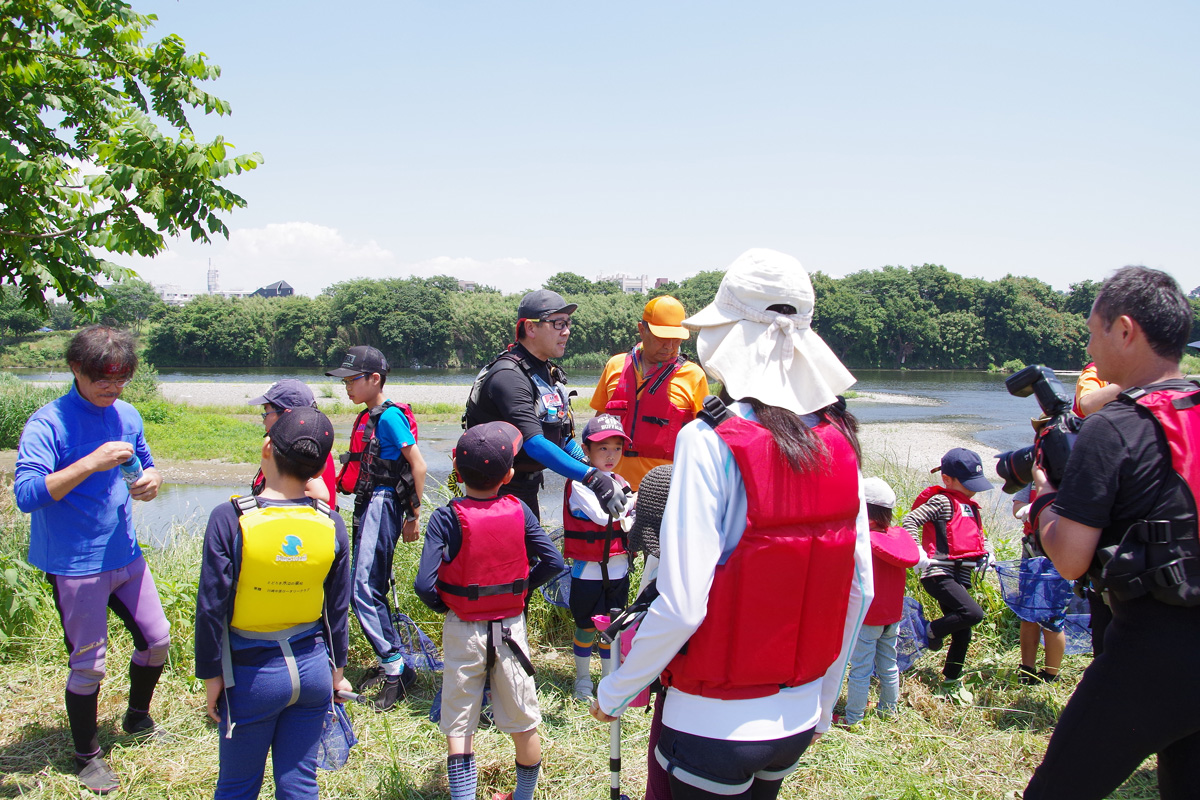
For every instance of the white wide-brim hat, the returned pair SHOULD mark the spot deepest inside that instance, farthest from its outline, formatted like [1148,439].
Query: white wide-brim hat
[753,352]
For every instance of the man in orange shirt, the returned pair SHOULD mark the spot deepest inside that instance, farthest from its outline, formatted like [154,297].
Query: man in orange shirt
[652,389]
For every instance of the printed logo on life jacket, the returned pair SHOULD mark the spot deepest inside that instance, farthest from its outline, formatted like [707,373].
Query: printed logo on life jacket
[291,547]
[967,511]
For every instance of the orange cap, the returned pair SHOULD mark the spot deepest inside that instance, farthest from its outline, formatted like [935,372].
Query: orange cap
[663,315]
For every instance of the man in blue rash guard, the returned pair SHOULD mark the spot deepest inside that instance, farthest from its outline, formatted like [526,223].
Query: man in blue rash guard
[523,387]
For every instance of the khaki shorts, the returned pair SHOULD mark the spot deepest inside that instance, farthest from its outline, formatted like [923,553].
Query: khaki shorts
[514,696]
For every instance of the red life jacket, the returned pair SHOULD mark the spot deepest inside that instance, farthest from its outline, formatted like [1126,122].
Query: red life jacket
[646,412]
[489,577]
[584,539]
[892,552]
[1160,556]
[360,436]
[961,537]
[777,606]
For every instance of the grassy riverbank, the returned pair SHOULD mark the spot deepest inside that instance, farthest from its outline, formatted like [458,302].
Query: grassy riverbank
[931,750]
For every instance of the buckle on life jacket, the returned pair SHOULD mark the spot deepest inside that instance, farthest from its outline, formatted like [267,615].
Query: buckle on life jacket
[715,411]
[659,421]
[1171,574]
[1152,531]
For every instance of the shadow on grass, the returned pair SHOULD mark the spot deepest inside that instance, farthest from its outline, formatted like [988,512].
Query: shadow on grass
[34,747]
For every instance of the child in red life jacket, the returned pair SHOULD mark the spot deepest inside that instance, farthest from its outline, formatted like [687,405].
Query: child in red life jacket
[596,543]
[946,522]
[893,551]
[475,568]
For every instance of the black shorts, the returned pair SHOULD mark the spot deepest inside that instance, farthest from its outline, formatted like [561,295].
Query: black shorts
[724,767]
[588,598]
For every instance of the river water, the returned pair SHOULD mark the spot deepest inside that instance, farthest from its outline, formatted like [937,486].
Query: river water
[974,399]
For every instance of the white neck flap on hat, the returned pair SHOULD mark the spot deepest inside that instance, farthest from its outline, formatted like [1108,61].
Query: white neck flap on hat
[754,352]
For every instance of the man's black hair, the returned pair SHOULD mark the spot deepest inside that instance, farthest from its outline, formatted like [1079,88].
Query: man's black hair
[880,516]
[295,469]
[103,353]
[1154,301]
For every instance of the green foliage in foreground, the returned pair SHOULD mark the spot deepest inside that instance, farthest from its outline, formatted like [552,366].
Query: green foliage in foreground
[17,401]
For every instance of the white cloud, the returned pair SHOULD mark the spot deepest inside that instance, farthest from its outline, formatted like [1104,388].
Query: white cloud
[511,274]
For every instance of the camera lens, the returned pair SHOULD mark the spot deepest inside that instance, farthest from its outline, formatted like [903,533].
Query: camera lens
[1016,468]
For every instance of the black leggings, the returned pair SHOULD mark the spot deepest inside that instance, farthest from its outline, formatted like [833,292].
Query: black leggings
[959,613]
[1137,698]
[701,768]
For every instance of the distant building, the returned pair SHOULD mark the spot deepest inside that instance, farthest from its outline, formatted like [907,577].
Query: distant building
[172,295]
[276,289]
[631,284]
[466,286]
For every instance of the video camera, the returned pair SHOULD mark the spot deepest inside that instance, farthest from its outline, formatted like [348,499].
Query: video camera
[1054,431]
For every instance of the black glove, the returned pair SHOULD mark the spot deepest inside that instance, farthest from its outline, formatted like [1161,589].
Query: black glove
[611,494]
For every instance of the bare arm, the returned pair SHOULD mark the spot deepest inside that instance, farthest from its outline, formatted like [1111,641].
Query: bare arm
[1096,399]
[1069,544]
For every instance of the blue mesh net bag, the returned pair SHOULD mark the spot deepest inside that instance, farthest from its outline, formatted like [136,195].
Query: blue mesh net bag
[336,740]
[913,640]
[557,590]
[418,649]
[1035,591]
[1078,626]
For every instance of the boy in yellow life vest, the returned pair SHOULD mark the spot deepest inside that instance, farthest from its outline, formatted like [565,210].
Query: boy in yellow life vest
[272,615]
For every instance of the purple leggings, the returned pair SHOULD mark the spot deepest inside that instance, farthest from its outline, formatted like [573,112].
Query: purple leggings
[83,602]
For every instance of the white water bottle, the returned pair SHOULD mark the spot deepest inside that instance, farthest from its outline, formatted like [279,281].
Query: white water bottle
[131,471]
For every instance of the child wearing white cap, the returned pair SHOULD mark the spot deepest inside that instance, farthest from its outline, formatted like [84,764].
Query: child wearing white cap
[893,551]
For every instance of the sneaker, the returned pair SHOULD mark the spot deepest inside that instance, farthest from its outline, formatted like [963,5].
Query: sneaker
[142,726]
[502,796]
[1028,676]
[97,776]
[956,692]
[840,721]
[583,689]
[1045,677]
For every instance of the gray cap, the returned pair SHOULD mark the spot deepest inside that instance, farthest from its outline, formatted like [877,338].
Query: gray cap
[878,493]
[543,303]
[287,393]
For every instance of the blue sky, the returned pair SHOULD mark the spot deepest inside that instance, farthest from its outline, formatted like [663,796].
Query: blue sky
[503,142]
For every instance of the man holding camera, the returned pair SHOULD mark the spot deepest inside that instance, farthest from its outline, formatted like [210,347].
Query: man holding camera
[1126,515]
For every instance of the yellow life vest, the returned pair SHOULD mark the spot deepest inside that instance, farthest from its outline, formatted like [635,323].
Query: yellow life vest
[287,551]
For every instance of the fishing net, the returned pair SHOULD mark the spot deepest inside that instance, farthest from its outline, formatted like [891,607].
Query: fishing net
[652,499]
[1036,593]
[336,739]
[557,590]
[419,650]
[913,639]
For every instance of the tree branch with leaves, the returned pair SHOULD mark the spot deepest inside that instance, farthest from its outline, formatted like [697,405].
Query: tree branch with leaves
[85,169]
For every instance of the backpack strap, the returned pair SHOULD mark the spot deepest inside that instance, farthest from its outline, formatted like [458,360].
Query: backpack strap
[244,504]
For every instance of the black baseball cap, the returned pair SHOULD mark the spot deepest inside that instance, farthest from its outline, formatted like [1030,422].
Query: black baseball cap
[966,466]
[543,303]
[302,424]
[359,360]
[488,449]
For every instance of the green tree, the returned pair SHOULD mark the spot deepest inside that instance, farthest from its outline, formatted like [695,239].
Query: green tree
[1081,296]
[699,290]
[15,319]
[128,304]
[568,283]
[84,165]
[62,317]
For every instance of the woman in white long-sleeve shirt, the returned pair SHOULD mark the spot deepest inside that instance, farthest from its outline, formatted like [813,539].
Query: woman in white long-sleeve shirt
[765,568]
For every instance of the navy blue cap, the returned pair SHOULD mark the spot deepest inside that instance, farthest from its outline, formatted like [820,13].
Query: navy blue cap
[297,424]
[966,467]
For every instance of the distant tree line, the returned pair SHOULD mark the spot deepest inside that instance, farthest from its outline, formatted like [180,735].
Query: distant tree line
[892,317]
